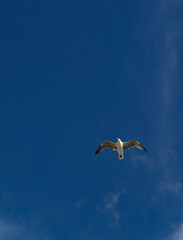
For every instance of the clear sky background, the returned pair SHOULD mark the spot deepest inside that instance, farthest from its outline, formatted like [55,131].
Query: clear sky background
[72,75]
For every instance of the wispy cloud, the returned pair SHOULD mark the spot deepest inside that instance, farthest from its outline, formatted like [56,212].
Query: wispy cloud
[10,230]
[147,160]
[79,204]
[166,138]
[169,71]
[109,206]
[111,200]
[177,234]
[171,186]
[110,203]
[166,4]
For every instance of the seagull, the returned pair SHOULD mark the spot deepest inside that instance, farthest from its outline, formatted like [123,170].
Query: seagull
[119,146]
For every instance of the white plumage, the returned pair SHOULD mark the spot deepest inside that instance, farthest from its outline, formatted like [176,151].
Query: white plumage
[120,148]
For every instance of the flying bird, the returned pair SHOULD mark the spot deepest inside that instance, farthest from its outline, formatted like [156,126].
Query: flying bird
[119,146]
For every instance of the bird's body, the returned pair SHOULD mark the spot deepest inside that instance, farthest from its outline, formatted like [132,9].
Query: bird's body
[120,146]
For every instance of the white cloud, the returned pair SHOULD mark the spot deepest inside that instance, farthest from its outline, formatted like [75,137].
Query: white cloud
[166,138]
[171,186]
[109,206]
[10,230]
[178,234]
[167,4]
[147,160]
[79,204]
[111,200]
[169,71]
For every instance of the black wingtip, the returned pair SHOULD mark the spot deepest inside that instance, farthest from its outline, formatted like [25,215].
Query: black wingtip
[143,148]
[96,152]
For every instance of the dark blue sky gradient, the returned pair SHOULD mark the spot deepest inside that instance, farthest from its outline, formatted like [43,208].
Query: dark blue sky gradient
[76,73]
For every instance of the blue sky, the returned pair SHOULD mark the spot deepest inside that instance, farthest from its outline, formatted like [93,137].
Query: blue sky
[76,73]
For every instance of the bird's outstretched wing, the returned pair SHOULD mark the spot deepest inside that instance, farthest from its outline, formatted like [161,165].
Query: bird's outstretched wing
[106,144]
[133,143]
